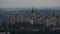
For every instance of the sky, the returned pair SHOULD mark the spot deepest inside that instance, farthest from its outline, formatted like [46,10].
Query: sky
[29,3]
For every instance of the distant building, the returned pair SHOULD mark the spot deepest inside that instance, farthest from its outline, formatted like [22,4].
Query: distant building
[20,18]
[12,19]
[51,21]
[1,20]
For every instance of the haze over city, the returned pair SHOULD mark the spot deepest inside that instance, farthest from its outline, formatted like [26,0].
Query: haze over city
[29,3]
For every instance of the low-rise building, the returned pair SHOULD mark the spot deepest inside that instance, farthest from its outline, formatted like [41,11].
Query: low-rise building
[51,21]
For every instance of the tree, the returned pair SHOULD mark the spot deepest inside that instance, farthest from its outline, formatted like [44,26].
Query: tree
[10,25]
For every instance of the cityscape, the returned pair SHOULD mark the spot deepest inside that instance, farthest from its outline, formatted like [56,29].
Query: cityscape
[30,20]
[29,16]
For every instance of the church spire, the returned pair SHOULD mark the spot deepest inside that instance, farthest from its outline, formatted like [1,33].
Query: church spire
[32,10]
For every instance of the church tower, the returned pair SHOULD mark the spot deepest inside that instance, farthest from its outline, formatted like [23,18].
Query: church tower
[32,16]
[33,13]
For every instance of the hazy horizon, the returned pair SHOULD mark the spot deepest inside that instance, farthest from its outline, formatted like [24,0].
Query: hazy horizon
[29,3]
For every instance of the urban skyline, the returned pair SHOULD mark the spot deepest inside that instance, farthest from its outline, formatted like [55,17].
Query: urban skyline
[29,20]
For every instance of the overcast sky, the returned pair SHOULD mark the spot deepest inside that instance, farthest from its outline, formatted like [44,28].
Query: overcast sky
[29,3]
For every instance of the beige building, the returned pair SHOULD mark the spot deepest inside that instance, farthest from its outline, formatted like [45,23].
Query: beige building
[51,21]
[12,19]
[20,18]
